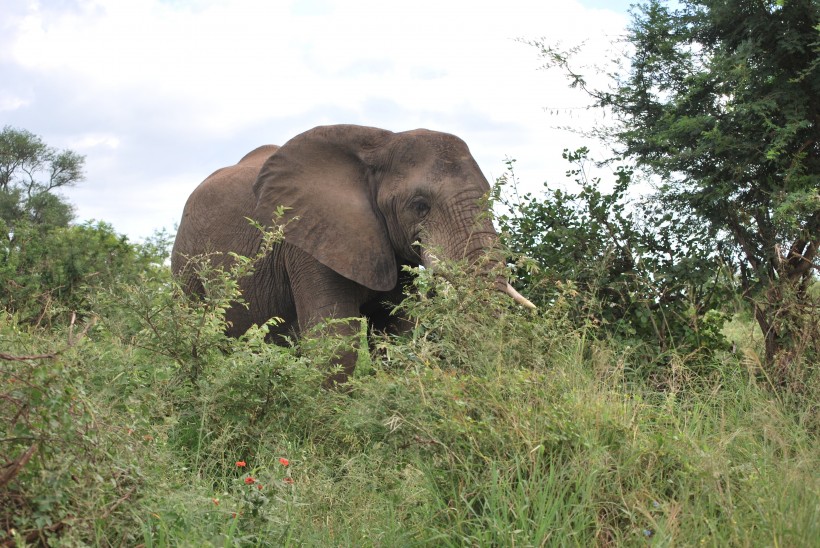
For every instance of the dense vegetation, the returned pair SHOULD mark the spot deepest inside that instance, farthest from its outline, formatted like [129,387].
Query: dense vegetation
[720,103]
[481,428]
[665,391]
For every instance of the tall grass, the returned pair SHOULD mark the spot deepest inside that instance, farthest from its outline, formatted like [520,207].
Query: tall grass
[486,425]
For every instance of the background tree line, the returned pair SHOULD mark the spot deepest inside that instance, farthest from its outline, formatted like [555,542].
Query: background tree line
[47,263]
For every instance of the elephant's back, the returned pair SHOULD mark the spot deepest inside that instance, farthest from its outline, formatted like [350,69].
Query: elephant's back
[257,156]
[214,217]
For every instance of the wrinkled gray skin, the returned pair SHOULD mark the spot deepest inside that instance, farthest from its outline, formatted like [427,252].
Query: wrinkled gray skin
[362,196]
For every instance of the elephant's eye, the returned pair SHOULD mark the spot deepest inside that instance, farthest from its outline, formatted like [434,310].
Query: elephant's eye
[420,207]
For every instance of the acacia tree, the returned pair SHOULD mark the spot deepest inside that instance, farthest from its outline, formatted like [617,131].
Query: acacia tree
[30,171]
[719,100]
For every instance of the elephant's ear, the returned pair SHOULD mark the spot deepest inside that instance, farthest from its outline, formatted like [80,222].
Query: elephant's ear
[323,176]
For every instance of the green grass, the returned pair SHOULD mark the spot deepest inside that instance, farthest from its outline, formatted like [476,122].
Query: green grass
[486,426]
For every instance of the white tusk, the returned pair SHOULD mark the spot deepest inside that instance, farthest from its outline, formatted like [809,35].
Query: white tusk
[428,260]
[518,297]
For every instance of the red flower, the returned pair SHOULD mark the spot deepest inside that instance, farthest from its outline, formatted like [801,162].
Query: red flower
[288,480]
[241,463]
[250,481]
[259,486]
[283,461]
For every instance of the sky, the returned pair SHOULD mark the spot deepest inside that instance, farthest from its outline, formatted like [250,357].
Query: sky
[157,94]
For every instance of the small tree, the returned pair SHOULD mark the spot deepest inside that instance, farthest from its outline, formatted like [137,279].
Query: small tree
[29,173]
[720,101]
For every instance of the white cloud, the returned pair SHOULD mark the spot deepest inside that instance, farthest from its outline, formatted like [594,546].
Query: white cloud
[149,89]
[84,143]
[10,101]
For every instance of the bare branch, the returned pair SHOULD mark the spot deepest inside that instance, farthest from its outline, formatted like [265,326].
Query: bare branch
[72,340]
[9,357]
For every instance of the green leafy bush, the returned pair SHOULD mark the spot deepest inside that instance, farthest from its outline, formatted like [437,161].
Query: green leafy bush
[635,271]
[47,264]
[66,469]
[47,275]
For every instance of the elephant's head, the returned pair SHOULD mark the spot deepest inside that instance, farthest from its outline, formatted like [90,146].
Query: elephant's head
[378,193]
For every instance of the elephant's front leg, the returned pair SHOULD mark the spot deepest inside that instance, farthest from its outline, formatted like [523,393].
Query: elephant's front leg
[321,294]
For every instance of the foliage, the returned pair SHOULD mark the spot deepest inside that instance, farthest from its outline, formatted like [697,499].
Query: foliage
[45,276]
[46,264]
[137,421]
[486,425]
[158,315]
[635,271]
[63,466]
[29,171]
[719,101]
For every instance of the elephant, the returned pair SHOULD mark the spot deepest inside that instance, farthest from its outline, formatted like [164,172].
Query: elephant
[359,202]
